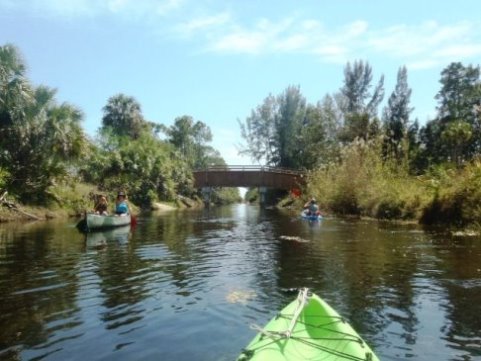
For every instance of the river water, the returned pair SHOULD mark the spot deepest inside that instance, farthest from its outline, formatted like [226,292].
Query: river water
[187,285]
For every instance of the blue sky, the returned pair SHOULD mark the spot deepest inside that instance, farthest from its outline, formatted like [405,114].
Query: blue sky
[217,60]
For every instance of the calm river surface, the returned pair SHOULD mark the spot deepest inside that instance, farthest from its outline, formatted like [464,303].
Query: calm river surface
[187,286]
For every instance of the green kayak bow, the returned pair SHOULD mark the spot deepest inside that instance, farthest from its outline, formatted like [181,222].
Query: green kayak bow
[307,329]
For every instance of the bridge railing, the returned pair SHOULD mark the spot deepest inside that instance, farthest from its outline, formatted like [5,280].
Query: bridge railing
[249,168]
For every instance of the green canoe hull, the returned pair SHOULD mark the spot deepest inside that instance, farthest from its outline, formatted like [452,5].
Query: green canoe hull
[319,333]
[95,221]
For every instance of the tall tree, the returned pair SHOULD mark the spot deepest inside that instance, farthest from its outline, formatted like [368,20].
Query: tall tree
[258,131]
[273,130]
[48,137]
[149,168]
[48,142]
[458,99]
[318,134]
[190,138]
[54,141]
[292,109]
[358,103]
[123,116]
[457,136]
[15,90]
[357,89]
[460,92]
[396,116]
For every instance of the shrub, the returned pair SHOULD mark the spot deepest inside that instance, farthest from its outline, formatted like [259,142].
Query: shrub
[363,183]
[457,196]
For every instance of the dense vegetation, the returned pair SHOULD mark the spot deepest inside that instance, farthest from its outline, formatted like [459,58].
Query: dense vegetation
[44,149]
[380,166]
[359,162]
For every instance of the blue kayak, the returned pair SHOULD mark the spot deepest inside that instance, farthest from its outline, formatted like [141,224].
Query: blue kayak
[311,217]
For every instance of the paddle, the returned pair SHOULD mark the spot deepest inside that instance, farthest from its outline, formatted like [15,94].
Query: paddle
[133,220]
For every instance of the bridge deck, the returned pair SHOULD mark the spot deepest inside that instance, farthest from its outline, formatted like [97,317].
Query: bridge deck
[248,176]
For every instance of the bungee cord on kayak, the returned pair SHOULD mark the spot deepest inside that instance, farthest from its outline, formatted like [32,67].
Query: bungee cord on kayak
[308,328]
[323,326]
[278,336]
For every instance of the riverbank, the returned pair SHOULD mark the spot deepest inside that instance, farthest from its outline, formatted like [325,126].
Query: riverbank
[365,187]
[64,201]
[25,213]
[69,201]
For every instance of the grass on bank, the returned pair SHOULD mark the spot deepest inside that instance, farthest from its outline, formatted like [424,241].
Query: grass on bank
[72,199]
[456,196]
[66,199]
[363,184]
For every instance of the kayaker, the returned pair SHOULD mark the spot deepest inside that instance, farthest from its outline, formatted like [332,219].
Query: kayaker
[121,206]
[102,206]
[311,208]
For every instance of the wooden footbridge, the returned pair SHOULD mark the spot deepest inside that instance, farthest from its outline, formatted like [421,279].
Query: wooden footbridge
[248,176]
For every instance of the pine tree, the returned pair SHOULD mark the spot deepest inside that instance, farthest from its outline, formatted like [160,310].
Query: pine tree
[396,116]
[358,104]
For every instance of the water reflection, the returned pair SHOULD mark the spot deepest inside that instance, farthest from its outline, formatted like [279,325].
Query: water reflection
[459,265]
[100,239]
[38,285]
[186,285]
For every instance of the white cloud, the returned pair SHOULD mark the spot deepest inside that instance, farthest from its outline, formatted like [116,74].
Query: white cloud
[428,44]
[405,41]
[240,42]
[292,43]
[311,25]
[423,64]
[459,51]
[332,53]
[354,29]
[423,45]
[264,36]
[203,23]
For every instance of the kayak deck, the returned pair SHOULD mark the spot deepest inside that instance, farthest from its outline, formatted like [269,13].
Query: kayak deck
[318,333]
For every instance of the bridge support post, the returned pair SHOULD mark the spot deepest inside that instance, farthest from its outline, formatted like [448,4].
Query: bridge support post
[206,192]
[262,195]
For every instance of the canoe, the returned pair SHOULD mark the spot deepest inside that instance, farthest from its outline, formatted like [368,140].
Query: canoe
[96,221]
[312,217]
[307,329]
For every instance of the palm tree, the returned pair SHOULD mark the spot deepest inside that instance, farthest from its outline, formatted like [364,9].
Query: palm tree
[65,132]
[38,138]
[15,90]
[123,116]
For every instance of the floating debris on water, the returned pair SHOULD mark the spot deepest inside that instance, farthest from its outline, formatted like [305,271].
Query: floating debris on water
[240,296]
[467,233]
[294,239]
